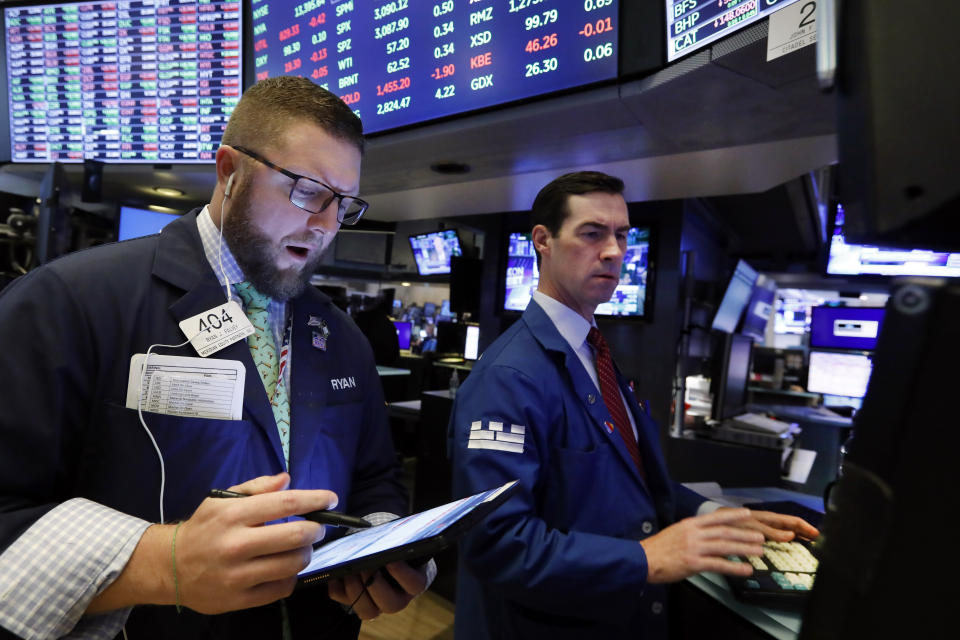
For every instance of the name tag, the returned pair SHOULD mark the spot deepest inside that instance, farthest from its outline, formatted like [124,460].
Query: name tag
[217,328]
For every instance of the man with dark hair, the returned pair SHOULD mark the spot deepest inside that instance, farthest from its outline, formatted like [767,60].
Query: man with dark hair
[586,546]
[82,541]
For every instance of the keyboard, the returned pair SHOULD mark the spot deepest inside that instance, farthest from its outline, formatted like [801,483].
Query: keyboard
[782,577]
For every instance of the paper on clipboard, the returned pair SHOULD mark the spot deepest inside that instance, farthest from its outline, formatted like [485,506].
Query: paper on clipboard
[188,387]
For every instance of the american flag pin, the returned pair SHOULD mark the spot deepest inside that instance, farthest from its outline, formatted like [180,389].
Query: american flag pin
[609,426]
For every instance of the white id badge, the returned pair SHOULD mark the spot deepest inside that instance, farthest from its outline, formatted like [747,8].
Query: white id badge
[217,328]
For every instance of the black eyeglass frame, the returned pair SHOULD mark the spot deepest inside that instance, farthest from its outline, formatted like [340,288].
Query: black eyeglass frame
[296,177]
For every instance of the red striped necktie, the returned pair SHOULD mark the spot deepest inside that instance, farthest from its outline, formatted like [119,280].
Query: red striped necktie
[611,396]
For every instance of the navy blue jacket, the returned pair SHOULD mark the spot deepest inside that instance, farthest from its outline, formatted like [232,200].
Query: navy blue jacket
[67,332]
[561,559]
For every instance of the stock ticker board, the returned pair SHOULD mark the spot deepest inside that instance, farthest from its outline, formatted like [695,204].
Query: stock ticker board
[692,24]
[124,81]
[402,62]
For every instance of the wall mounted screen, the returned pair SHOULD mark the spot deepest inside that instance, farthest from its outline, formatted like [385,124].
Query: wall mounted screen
[859,259]
[628,299]
[692,24]
[432,251]
[401,62]
[126,81]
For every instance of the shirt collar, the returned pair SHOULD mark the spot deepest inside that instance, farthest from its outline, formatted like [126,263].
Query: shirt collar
[217,252]
[571,325]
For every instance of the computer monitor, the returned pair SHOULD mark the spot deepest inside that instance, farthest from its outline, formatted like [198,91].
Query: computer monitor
[432,251]
[759,310]
[898,474]
[845,327]
[839,374]
[730,390]
[429,309]
[471,345]
[403,333]
[735,298]
[134,223]
[465,289]
[850,259]
[451,337]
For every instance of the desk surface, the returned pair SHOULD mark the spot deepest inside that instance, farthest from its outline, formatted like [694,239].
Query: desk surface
[781,624]
[392,371]
[814,415]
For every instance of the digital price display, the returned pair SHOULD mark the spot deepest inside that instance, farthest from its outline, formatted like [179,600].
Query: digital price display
[124,81]
[692,24]
[403,61]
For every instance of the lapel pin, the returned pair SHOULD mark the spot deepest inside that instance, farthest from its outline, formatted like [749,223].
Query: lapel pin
[319,341]
[314,321]
[609,426]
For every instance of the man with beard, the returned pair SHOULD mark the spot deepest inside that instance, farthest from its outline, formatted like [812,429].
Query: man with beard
[102,511]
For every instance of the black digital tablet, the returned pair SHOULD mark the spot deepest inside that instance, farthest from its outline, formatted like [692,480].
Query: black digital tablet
[414,537]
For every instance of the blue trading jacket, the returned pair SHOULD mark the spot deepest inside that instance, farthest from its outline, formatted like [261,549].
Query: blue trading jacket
[561,558]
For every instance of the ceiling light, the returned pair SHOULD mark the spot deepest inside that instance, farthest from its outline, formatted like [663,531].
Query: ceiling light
[156,207]
[168,191]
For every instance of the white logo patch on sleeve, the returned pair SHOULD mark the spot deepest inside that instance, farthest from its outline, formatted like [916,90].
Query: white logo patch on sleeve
[496,436]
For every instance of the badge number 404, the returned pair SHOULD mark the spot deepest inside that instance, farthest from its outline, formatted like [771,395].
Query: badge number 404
[217,328]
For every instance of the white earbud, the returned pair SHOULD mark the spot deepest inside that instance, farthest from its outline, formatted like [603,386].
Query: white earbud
[226,191]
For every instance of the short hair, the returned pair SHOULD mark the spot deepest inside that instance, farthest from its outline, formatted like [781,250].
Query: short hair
[269,107]
[551,206]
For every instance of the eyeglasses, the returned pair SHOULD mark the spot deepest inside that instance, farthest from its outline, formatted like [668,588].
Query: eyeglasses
[313,196]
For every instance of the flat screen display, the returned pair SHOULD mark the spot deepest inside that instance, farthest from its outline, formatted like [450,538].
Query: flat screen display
[471,346]
[432,251]
[403,333]
[124,81]
[401,62]
[135,223]
[522,274]
[846,327]
[759,310]
[693,24]
[859,259]
[628,299]
[735,298]
[839,374]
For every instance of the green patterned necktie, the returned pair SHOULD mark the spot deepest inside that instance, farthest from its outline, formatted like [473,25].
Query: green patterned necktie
[263,348]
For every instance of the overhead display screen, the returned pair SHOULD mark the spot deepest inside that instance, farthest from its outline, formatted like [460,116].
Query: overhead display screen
[125,81]
[407,61]
[692,24]
[629,298]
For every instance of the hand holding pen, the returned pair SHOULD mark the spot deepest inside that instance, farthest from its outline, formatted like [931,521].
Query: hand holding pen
[320,516]
[226,559]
